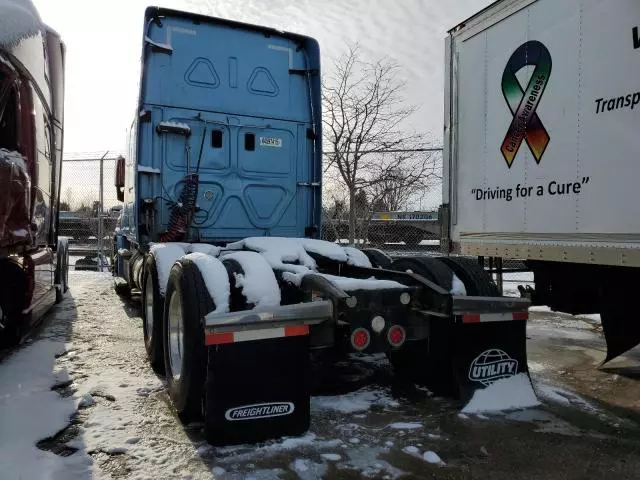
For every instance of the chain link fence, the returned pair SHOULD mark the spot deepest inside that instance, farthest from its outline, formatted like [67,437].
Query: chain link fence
[89,213]
[89,208]
[413,233]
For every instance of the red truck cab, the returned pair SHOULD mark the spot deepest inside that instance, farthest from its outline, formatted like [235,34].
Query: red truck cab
[33,259]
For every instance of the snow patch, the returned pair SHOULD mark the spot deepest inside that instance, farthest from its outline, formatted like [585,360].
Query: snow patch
[405,425]
[215,278]
[432,457]
[170,124]
[457,287]
[258,283]
[11,156]
[145,169]
[358,401]
[349,284]
[332,457]
[345,283]
[218,471]
[165,255]
[19,19]
[30,411]
[505,394]
[280,252]
[357,257]
[562,396]
[204,248]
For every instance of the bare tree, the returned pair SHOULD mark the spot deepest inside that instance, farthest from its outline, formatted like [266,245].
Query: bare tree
[363,112]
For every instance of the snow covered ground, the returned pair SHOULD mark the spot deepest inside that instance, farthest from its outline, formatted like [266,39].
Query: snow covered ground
[80,401]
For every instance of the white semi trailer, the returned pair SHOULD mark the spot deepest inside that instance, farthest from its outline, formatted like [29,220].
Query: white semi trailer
[542,151]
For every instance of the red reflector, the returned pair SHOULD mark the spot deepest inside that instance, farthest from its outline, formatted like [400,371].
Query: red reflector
[296,331]
[360,339]
[471,318]
[521,316]
[396,336]
[218,338]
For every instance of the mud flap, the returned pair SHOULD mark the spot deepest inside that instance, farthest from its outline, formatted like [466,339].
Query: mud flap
[620,324]
[487,351]
[257,390]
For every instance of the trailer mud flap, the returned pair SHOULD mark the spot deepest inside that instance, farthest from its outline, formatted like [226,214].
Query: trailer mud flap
[488,348]
[257,390]
[620,324]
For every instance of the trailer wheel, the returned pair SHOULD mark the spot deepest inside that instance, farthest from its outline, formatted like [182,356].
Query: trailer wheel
[428,361]
[187,301]
[152,312]
[476,280]
[378,258]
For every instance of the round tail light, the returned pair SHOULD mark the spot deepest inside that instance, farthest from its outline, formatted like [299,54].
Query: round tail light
[396,336]
[360,339]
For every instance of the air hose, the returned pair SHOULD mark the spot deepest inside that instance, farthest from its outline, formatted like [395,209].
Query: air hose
[181,211]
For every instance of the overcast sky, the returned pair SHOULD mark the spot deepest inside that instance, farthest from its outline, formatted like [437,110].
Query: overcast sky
[103,41]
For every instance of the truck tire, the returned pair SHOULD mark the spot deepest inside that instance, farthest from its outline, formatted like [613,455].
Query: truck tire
[476,280]
[152,314]
[426,267]
[61,274]
[187,301]
[378,258]
[428,361]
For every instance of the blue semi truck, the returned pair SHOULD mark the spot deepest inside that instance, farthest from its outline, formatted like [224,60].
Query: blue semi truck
[220,235]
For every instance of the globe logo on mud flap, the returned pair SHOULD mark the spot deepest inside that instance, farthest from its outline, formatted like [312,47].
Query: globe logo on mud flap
[259,410]
[492,365]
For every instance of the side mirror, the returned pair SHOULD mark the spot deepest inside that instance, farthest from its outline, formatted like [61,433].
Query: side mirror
[119,178]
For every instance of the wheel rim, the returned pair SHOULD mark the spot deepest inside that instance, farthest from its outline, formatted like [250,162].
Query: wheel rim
[176,335]
[148,306]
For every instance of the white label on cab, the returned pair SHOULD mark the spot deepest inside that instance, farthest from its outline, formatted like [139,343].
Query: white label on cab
[270,142]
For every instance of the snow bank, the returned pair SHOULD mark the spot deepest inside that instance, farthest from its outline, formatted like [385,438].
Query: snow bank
[215,278]
[30,411]
[19,19]
[165,254]
[258,284]
[504,394]
[357,257]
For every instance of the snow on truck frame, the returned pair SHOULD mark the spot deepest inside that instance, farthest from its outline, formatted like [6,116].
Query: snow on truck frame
[33,257]
[219,232]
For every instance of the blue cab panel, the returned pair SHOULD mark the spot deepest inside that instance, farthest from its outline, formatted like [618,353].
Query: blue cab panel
[240,106]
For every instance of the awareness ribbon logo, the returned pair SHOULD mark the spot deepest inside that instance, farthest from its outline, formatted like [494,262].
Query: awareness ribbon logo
[526,125]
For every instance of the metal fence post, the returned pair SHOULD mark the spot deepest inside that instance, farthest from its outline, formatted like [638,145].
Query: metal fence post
[101,216]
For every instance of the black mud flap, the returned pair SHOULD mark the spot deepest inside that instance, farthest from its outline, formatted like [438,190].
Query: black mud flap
[620,323]
[486,351]
[257,390]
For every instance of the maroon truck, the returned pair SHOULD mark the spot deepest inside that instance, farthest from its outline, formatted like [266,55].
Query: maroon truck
[33,258]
